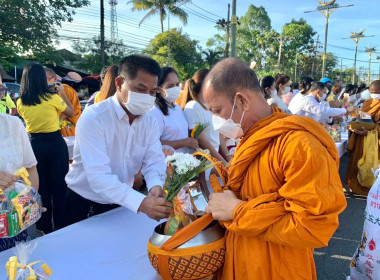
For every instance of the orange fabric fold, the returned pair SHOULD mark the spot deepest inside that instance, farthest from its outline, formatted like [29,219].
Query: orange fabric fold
[72,96]
[285,170]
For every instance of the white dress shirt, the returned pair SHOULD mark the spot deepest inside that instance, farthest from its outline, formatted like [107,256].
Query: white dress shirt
[308,106]
[277,101]
[108,152]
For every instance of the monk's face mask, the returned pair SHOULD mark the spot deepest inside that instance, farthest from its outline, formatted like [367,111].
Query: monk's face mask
[228,128]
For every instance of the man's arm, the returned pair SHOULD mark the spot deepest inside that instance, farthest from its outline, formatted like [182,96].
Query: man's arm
[312,106]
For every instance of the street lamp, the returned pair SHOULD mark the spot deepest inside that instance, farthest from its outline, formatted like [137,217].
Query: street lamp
[356,37]
[370,51]
[327,9]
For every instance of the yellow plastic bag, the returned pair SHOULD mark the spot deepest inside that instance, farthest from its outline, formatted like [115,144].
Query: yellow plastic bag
[369,160]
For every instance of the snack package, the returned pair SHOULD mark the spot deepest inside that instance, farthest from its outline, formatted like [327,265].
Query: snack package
[182,213]
[20,206]
[19,268]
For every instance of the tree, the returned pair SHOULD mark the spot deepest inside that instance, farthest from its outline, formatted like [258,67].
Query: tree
[301,43]
[185,54]
[28,26]
[253,36]
[90,52]
[212,57]
[161,7]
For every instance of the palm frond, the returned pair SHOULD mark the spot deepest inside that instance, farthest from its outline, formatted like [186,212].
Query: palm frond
[152,12]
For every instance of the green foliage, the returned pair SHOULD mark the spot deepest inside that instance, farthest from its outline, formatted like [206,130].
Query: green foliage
[253,36]
[30,26]
[212,57]
[160,7]
[90,52]
[185,54]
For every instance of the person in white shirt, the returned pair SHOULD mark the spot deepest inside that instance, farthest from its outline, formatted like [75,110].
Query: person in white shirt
[172,123]
[309,105]
[268,86]
[282,87]
[115,139]
[196,112]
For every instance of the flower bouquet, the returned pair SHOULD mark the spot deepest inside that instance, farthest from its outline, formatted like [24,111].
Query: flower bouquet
[64,124]
[182,168]
[198,129]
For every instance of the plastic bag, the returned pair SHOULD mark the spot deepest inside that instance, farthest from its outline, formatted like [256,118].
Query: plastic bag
[19,268]
[365,263]
[20,206]
[182,213]
[369,159]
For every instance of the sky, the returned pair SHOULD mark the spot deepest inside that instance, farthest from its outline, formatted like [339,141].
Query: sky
[203,15]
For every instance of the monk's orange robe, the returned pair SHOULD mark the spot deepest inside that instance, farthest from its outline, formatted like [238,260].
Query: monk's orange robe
[355,147]
[285,170]
[72,96]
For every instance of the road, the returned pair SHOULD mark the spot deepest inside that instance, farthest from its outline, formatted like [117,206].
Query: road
[332,262]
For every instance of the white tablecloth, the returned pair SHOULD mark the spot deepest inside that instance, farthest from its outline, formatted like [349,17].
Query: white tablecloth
[342,146]
[112,245]
[70,145]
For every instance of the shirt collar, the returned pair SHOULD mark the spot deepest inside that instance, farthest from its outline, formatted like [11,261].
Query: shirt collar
[118,109]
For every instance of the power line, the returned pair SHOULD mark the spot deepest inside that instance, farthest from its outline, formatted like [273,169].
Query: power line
[205,10]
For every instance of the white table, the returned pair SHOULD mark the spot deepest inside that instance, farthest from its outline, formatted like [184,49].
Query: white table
[70,145]
[112,245]
[342,146]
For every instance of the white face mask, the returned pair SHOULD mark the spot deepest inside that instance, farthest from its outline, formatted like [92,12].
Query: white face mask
[286,90]
[172,94]
[375,96]
[227,127]
[353,97]
[273,93]
[323,97]
[139,103]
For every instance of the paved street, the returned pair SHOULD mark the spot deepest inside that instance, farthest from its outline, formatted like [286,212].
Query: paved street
[333,261]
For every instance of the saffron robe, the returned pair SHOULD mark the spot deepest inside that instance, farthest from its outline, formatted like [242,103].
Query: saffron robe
[72,96]
[285,170]
[355,148]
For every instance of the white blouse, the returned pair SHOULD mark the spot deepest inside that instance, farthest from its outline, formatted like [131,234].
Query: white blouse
[15,148]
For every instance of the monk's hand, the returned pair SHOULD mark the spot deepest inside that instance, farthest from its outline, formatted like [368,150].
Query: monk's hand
[156,191]
[155,207]
[363,132]
[6,180]
[222,205]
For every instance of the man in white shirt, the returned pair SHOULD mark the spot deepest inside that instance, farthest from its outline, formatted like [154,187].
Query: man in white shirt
[309,105]
[114,140]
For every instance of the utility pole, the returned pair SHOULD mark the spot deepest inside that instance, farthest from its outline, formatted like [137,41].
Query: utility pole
[356,37]
[370,51]
[228,32]
[378,59]
[281,40]
[102,47]
[315,56]
[233,29]
[341,69]
[295,70]
[168,38]
[114,28]
[327,9]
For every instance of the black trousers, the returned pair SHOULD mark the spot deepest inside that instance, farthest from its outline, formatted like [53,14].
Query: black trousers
[80,208]
[52,157]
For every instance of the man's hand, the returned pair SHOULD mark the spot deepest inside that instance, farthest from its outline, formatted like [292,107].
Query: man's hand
[156,191]
[156,208]
[222,205]
[363,132]
[6,180]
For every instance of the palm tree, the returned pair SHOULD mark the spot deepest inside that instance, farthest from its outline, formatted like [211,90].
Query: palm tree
[212,57]
[161,7]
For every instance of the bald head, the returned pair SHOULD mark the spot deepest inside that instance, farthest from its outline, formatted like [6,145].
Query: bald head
[375,86]
[231,75]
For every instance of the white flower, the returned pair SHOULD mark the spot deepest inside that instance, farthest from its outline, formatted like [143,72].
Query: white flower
[183,163]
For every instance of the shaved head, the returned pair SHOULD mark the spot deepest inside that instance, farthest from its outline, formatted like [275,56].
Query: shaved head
[230,76]
[375,86]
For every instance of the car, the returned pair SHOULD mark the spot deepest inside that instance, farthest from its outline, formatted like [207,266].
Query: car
[12,88]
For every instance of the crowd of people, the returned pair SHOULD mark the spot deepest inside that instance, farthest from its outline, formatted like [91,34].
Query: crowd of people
[283,194]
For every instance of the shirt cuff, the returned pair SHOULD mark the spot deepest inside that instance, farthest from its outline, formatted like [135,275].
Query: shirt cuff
[134,201]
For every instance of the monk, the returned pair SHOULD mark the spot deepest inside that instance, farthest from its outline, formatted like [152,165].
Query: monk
[283,194]
[72,96]
[356,139]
